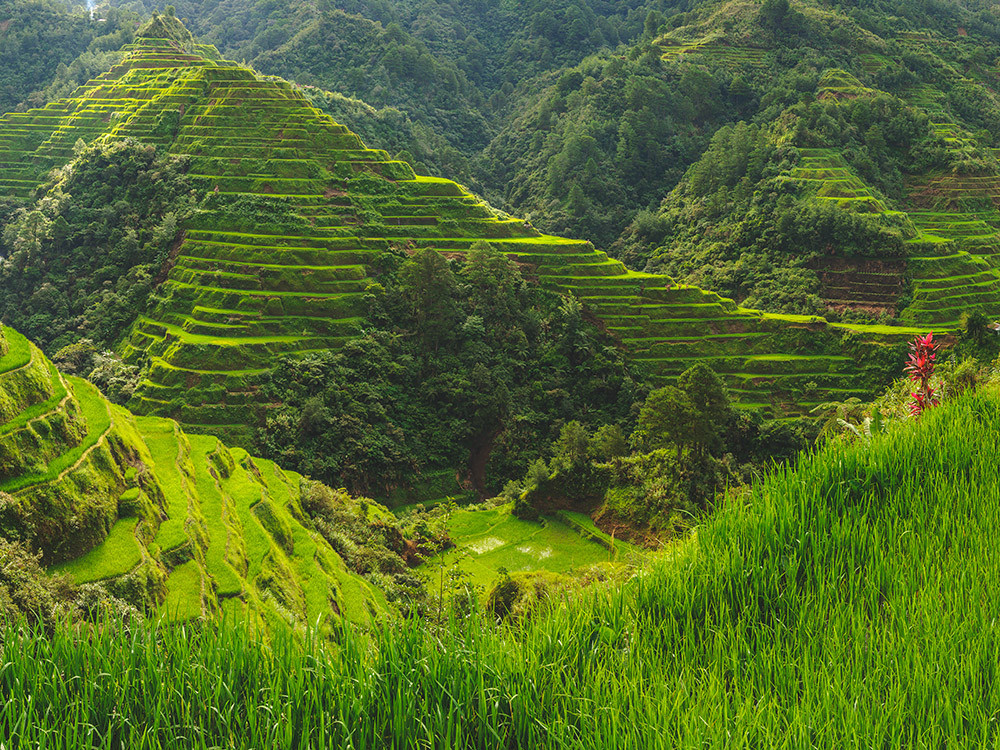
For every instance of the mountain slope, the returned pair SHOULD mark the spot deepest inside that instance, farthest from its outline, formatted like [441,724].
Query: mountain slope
[865,179]
[850,602]
[164,519]
[294,214]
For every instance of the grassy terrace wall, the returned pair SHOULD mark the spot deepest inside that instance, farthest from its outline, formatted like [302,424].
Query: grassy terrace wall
[297,210]
[200,528]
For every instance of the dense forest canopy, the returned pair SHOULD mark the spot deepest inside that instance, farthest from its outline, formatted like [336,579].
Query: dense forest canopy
[690,401]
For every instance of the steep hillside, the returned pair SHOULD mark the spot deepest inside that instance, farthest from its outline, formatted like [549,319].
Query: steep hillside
[848,603]
[295,213]
[587,149]
[865,180]
[165,520]
[43,43]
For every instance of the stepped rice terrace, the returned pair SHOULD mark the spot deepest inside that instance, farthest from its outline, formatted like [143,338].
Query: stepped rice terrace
[948,218]
[709,526]
[194,527]
[299,210]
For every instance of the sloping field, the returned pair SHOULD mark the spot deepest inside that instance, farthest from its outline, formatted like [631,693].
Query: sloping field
[298,209]
[198,527]
[850,603]
[487,541]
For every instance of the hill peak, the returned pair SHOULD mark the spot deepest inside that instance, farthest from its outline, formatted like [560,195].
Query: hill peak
[166,26]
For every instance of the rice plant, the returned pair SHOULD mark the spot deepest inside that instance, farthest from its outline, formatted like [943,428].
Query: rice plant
[849,603]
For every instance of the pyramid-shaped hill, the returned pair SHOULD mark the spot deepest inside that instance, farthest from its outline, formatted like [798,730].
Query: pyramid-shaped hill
[181,523]
[296,211]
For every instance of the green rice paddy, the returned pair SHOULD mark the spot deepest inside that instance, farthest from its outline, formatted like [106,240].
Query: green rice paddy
[488,540]
[119,554]
[848,603]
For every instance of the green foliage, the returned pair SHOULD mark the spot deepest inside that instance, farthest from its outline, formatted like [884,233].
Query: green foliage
[117,380]
[120,204]
[608,443]
[668,417]
[710,401]
[659,494]
[572,447]
[42,39]
[581,156]
[30,595]
[465,367]
[766,576]
[516,599]
[166,26]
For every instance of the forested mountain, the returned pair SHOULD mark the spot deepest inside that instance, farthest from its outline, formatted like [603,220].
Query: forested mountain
[453,68]
[580,114]
[583,116]
[237,224]
[811,191]
[47,47]
[649,344]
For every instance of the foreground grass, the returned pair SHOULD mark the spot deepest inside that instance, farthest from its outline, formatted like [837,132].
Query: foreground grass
[852,603]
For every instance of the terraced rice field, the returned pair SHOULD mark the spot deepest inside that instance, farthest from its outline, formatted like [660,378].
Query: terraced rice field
[713,48]
[109,495]
[956,260]
[953,266]
[826,175]
[300,208]
[489,540]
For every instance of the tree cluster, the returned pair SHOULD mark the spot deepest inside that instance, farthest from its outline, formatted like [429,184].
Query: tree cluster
[83,259]
[465,367]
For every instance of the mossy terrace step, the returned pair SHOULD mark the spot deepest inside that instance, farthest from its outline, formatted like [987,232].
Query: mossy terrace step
[194,527]
[714,48]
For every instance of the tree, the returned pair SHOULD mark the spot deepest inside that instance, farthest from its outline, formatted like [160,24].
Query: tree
[974,327]
[494,280]
[608,443]
[428,286]
[710,400]
[773,12]
[572,447]
[667,418]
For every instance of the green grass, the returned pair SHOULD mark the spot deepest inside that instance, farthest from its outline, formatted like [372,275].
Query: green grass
[849,603]
[183,600]
[116,555]
[41,409]
[162,438]
[97,415]
[210,500]
[246,493]
[18,351]
[488,540]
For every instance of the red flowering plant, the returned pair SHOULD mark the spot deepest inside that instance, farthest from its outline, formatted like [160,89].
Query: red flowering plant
[920,368]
